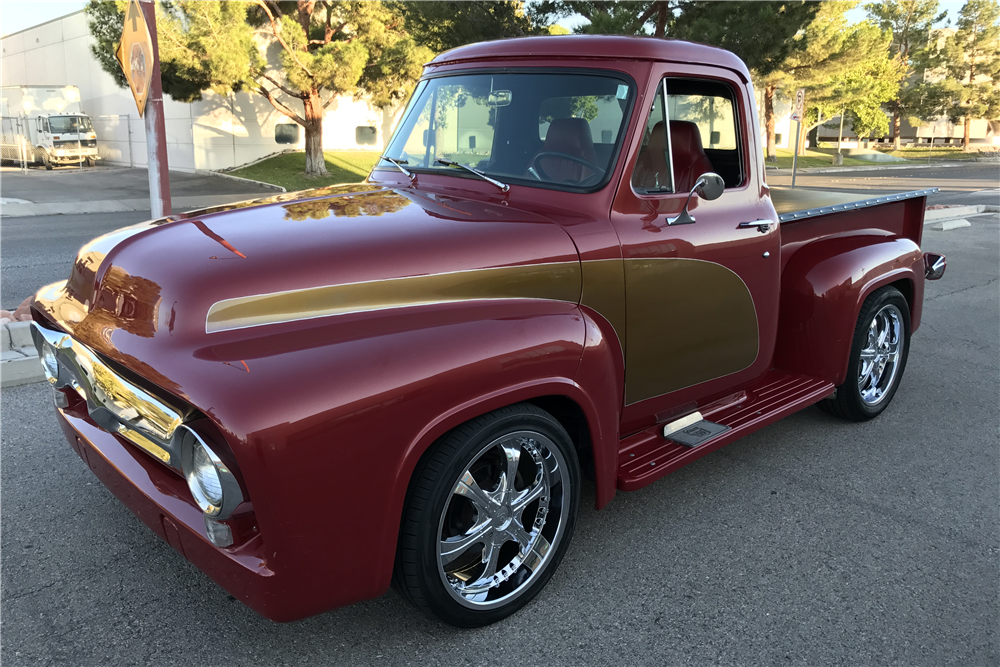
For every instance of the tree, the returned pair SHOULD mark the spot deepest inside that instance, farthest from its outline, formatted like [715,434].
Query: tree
[647,17]
[443,25]
[827,48]
[763,34]
[324,49]
[972,58]
[910,22]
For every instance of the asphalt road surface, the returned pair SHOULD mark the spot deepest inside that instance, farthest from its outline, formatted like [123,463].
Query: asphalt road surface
[811,542]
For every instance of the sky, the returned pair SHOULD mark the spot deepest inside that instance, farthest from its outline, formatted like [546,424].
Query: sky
[16,15]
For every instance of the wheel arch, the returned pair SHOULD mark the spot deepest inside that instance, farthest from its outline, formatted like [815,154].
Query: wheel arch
[824,287]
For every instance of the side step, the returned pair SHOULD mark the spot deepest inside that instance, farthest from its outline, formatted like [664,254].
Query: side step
[648,455]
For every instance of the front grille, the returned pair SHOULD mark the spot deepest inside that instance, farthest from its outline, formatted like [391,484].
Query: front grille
[72,143]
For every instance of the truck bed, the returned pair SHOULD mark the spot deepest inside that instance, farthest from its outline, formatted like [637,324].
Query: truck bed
[798,203]
[808,215]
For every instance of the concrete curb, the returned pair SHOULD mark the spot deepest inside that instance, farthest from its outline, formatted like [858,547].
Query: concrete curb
[240,179]
[956,212]
[18,358]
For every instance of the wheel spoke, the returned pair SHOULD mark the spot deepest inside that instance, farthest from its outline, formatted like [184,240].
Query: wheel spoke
[453,547]
[527,497]
[490,556]
[520,535]
[513,455]
[537,555]
[868,354]
[467,487]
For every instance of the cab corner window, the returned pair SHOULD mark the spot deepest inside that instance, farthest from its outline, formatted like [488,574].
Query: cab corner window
[695,132]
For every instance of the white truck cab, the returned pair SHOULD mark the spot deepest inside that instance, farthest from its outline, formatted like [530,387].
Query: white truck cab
[54,129]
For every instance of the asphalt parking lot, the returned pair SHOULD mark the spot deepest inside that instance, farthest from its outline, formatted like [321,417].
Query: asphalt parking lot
[811,542]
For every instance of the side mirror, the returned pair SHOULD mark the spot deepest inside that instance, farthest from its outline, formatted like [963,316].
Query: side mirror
[709,187]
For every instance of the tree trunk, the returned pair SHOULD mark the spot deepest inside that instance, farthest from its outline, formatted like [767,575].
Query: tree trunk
[967,134]
[315,162]
[661,20]
[896,139]
[772,152]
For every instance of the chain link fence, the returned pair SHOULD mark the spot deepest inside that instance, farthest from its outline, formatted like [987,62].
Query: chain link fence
[117,140]
[15,144]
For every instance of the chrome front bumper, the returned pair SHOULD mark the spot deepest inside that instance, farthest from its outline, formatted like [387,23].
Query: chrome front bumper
[114,403]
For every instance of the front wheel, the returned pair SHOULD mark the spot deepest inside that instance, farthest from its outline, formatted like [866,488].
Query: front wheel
[878,357]
[488,516]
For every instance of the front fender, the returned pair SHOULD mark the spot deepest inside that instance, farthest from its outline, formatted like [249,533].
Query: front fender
[822,290]
[328,457]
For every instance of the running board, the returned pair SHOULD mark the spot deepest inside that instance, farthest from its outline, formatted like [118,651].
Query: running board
[649,455]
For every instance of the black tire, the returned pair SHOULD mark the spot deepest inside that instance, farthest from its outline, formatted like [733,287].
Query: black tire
[434,512]
[91,162]
[46,160]
[862,397]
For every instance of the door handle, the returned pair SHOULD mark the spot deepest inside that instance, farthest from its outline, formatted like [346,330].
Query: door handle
[763,226]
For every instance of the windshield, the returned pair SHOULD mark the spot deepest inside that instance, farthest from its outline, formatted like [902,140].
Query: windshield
[559,130]
[64,124]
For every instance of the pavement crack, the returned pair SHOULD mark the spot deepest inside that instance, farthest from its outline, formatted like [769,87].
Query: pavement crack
[959,291]
[27,593]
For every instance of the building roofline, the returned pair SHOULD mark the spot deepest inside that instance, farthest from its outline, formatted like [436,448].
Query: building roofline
[39,25]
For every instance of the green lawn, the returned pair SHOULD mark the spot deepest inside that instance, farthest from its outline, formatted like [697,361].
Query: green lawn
[816,157]
[937,152]
[287,169]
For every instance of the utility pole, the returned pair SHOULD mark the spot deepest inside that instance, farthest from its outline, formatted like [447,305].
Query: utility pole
[156,132]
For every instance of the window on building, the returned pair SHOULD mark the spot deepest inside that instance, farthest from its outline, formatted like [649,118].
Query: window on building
[365,135]
[286,133]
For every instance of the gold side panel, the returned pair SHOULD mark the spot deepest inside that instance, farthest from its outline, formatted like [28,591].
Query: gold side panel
[689,321]
[604,291]
[559,281]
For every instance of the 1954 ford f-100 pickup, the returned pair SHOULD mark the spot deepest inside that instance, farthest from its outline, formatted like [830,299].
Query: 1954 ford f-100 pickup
[568,262]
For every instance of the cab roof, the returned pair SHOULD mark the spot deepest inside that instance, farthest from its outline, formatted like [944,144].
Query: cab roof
[602,47]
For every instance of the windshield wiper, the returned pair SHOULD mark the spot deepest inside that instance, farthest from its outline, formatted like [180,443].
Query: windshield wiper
[503,186]
[399,165]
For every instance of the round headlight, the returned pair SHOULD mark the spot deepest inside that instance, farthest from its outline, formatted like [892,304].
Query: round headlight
[49,363]
[205,475]
[212,484]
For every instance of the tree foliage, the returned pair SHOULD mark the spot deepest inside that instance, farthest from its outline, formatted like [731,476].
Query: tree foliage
[443,25]
[762,34]
[972,60]
[324,49]
[646,17]
[910,22]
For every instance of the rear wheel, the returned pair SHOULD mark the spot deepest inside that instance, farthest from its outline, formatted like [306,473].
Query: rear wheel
[878,357]
[488,517]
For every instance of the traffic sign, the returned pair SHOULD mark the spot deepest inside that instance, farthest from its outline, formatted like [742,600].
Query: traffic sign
[799,112]
[135,54]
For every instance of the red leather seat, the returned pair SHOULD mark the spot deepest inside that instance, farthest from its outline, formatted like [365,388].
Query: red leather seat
[571,136]
[690,160]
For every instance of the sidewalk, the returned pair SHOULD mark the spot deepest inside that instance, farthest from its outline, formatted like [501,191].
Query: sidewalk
[112,189]
[879,167]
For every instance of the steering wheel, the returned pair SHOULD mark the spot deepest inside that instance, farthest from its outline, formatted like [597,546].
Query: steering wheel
[535,169]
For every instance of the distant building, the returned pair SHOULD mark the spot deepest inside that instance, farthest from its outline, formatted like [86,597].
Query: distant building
[214,133]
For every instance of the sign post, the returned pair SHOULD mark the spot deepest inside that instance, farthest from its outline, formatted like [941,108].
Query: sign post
[797,115]
[139,58]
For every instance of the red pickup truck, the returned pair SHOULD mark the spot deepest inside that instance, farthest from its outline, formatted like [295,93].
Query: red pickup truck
[567,263]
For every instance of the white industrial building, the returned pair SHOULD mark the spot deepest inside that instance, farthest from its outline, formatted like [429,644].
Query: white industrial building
[214,133]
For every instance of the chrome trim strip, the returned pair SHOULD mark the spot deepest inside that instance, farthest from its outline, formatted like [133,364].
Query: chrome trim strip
[114,403]
[862,203]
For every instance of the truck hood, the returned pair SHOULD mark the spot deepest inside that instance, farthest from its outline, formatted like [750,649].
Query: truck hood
[269,266]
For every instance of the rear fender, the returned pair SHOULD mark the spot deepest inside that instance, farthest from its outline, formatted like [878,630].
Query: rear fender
[823,288]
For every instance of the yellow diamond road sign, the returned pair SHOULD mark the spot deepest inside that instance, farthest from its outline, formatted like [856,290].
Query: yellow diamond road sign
[135,54]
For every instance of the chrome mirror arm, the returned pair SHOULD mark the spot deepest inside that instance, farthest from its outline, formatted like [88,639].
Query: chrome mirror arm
[685,218]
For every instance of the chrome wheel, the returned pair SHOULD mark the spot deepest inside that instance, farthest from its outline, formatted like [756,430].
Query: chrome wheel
[504,516]
[879,363]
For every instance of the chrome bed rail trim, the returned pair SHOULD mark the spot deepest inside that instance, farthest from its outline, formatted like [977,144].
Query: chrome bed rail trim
[850,206]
